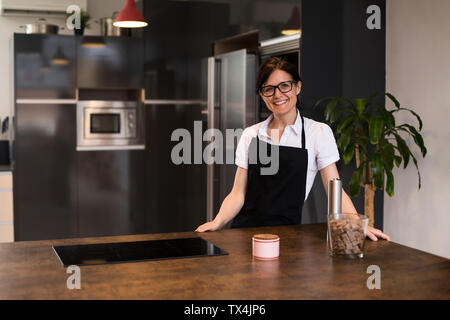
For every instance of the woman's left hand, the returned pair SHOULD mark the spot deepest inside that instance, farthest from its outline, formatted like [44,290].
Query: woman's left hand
[373,233]
[331,172]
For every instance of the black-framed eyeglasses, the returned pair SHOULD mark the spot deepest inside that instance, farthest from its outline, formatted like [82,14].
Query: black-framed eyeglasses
[283,87]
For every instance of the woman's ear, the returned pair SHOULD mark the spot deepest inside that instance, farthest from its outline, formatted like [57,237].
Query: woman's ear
[261,96]
[299,87]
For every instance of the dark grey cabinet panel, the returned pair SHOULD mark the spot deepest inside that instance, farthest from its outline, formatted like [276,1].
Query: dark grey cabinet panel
[45,195]
[340,56]
[179,36]
[175,194]
[35,72]
[111,193]
[118,64]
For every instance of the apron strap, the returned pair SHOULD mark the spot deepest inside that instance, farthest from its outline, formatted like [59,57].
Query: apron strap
[303,132]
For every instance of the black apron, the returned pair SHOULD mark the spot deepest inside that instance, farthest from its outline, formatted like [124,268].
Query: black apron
[277,199]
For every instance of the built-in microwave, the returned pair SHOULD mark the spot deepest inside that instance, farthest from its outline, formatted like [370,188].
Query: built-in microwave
[110,125]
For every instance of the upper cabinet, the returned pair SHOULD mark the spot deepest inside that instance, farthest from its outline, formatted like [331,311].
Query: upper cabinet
[44,66]
[53,66]
[181,34]
[117,64]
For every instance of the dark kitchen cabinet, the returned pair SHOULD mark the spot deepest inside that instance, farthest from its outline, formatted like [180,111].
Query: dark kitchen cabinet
[117,65]
[175,194]
[45,177]
[180,35]
[44,66]
[59,192]
[45,195]
[111,191]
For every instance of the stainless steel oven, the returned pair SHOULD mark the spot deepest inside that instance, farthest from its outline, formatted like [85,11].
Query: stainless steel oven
[110,125]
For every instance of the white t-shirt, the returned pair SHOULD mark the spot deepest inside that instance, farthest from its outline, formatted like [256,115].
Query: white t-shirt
[320,143]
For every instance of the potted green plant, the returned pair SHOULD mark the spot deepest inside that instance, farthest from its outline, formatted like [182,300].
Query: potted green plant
[367,132]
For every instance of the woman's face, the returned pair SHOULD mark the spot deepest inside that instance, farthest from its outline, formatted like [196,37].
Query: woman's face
[281,103]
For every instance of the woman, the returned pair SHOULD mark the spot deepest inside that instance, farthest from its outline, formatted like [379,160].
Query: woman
[304,147]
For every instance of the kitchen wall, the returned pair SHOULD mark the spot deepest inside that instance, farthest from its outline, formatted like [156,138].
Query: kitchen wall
[418,74]
[9,25]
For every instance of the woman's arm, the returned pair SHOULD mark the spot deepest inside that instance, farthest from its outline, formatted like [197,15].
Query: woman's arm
[231,205]
[330,172]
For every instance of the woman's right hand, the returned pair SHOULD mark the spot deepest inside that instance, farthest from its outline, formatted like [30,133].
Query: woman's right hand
[231,205]
[209,226]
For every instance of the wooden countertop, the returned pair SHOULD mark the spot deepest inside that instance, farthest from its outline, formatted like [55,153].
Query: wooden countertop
[31,270]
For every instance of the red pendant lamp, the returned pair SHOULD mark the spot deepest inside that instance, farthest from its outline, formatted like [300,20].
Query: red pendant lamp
[293,25]
[130,17]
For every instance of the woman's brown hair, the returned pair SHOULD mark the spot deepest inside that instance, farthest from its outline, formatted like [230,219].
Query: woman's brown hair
[275,63]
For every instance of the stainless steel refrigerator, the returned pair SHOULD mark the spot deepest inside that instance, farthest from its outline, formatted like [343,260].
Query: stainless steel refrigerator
[231,104]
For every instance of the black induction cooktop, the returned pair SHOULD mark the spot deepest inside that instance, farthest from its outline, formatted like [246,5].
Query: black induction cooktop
[105,253]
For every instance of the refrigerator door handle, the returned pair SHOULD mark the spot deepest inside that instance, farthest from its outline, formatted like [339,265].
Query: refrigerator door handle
[210,167]
[213,91]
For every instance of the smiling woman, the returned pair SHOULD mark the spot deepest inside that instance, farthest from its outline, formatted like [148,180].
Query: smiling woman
[279,73]
[281,102]
[304,147]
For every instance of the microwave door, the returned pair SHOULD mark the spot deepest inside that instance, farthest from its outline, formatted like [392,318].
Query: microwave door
[103,124]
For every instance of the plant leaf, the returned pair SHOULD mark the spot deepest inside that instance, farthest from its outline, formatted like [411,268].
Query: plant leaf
[417,167]
[394,100]
[354,186]
[362,147]
[403,149]
[417,138]
[344,123]
[398,160]
[365,117]
[318,102]
[415,114]
[363,140]
[388,152]
[388,118]
[360,105]
[344,139]
[389,183]
[378,171]
[335,114]
[349,152]
[329,108]
[375,129]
